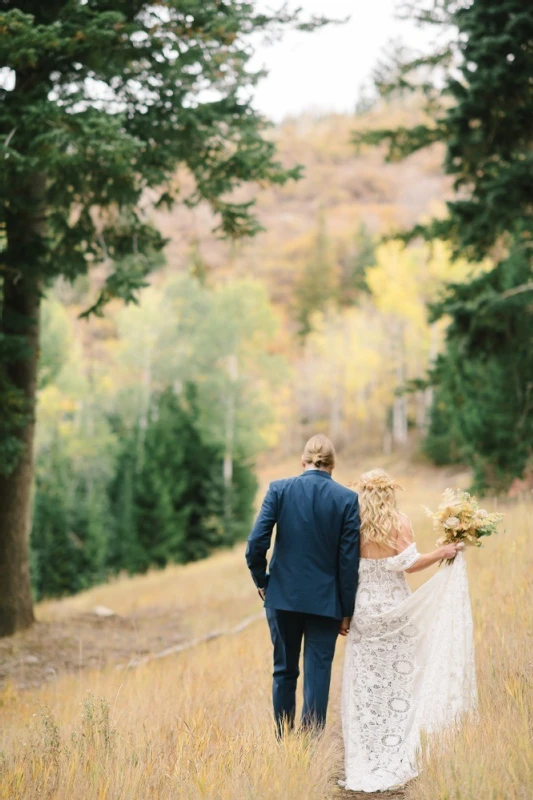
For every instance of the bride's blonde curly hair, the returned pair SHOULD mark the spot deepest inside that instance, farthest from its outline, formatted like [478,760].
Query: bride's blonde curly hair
[377,505]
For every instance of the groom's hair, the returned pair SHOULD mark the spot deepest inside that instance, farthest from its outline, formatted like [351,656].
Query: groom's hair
[319,451]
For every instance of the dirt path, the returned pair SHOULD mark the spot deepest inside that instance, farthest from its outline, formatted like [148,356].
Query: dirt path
[340,794]
[337,792]
[86,641]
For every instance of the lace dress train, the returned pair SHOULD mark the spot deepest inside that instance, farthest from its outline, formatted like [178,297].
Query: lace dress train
[409,665]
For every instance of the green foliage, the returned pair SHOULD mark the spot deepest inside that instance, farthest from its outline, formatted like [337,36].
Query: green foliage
[220,340]
[162,500]
[354,266]
[124,549]
[135,469]
[56,567]
[332,275]
[170,497]
[101,147]
[101,102]
[183,508]
[70,523]
[319,283]
[55,333]
[483,117]
[482,407]
[238,500]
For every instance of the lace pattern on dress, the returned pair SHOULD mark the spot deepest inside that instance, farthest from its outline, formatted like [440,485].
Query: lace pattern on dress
[399,674]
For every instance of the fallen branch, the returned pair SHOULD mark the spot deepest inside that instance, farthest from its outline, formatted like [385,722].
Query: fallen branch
[179,648]
[524,287]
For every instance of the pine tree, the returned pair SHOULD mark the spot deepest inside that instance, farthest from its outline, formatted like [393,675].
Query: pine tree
[56,563]
[243,490]
[167,502]
[483,408]
[482,116]
[71,523]
[124,551]
[160,486]
[183,509]
[354,265]
[488,136]
[91,521]
[100,102]
[319,284]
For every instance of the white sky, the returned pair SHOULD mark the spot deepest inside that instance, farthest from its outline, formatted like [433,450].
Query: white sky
[324,70]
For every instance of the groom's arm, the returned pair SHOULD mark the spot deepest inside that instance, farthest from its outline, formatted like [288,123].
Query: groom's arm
[260,538]
[349,559]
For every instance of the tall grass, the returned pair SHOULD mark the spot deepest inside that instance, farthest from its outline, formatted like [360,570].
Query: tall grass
[193,727]
[198,725]
[491,757]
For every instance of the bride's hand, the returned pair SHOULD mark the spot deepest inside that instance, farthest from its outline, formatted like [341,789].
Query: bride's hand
[449,551]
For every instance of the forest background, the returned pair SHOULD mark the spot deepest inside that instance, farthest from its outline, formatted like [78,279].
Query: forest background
[236,353]
[152,417]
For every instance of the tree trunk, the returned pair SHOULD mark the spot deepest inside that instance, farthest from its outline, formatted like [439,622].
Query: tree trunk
[20,317]
[16,611]
[336,406]
[399,409]
[429,392]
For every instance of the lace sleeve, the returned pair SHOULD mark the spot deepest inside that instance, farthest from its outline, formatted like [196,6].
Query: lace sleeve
[405,559]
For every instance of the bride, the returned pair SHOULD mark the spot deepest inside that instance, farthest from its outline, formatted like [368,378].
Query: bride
[409,663]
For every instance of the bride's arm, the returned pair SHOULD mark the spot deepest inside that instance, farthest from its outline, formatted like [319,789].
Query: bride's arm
[426,560]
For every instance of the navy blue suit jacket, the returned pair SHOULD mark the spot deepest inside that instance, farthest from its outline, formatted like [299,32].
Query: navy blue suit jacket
[315,564]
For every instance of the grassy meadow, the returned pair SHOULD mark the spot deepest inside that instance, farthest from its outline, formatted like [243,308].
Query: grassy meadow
[197,724]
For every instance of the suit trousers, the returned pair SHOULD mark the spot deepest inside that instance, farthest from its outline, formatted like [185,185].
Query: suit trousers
[319,634]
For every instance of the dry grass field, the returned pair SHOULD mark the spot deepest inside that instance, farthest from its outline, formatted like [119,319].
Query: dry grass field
[197,724]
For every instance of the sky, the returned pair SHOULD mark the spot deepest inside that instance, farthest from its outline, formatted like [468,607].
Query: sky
[324,70]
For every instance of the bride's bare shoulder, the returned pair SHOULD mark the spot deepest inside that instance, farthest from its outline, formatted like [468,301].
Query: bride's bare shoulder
[405,535]
[404,520]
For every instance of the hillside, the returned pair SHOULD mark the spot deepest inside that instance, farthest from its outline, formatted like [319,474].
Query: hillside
[347,186]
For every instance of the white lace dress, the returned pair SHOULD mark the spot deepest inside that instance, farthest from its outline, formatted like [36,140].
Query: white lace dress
[409,665]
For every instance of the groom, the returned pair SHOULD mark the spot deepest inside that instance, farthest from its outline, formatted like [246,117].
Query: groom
[309,592]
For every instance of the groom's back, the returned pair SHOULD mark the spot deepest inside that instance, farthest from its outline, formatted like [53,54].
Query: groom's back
[312,513]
